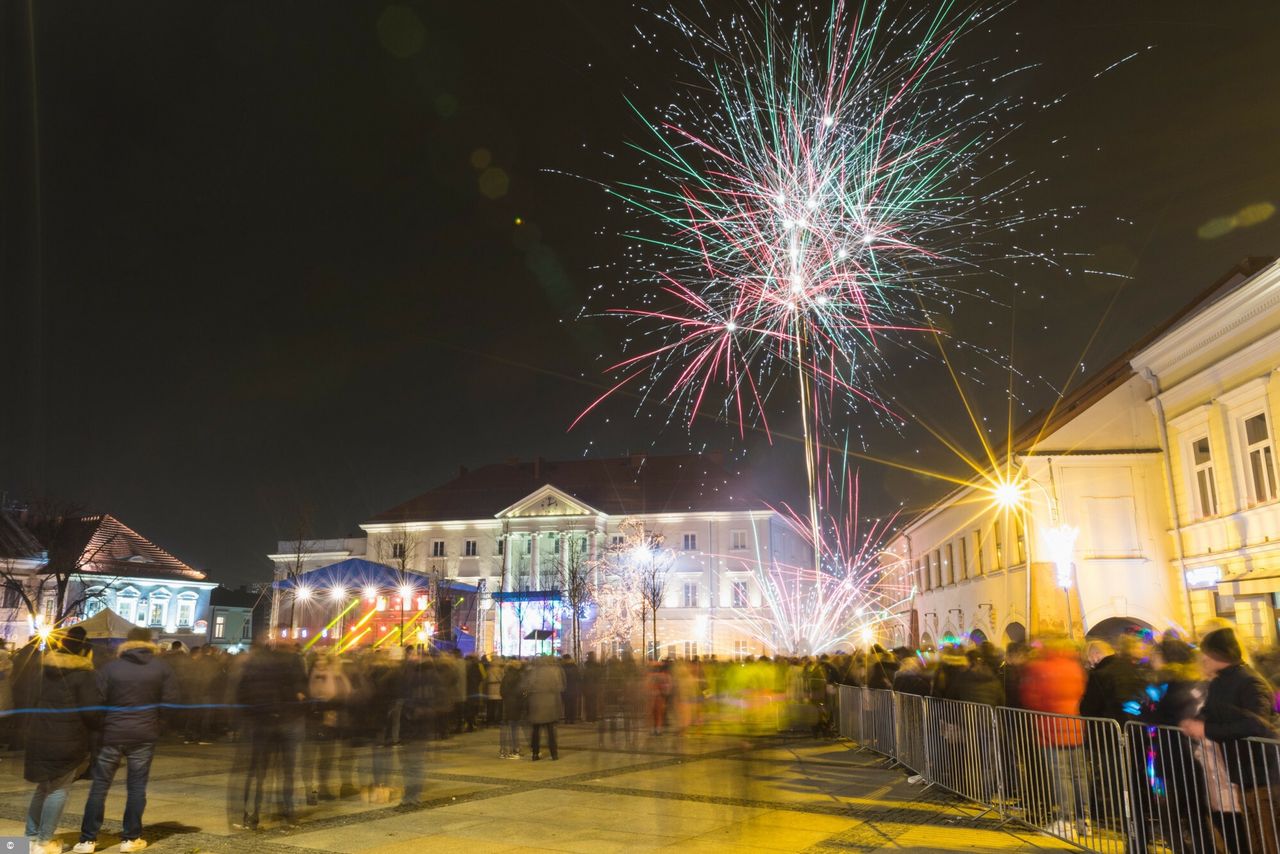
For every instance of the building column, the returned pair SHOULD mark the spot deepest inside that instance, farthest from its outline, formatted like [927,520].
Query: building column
[535,562]
[506,561]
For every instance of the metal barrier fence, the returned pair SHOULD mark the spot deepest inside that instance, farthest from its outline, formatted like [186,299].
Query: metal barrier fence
[1083,780]
[1205,796]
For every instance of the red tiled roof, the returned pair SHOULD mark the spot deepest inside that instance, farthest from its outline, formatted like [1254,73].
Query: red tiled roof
[103,545]
[618,486]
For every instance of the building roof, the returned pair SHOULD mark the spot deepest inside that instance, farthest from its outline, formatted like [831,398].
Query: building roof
[619,486]
[228,598]
[354,574]
[16,542]
[103,545]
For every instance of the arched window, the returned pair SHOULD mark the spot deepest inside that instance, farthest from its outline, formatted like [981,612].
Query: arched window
[158,609]
[127,604]
[186,615]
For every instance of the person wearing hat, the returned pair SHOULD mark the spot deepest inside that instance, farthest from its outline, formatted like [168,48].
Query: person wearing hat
[1239,705]
[66,704]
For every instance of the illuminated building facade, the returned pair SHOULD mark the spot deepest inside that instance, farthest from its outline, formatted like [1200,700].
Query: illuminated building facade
[510,529]
[1148,497]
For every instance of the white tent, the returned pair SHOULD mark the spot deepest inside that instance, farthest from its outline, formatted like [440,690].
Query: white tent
[106,624]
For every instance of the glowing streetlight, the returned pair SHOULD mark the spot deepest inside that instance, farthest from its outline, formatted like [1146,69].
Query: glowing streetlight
[1007,494]
[304,593]
[337,594]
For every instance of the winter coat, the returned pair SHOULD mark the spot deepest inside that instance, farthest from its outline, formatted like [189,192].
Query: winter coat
[880,672]
[513,696]
[976,684]
[1239,705]
[135,686]
[546,684]
[1115,683]
[1054,682]
[1177,693]
[270,685]
[70,704]
[493,680]
[913,681]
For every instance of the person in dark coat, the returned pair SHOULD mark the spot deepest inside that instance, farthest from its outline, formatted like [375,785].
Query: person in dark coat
[592,687]
[1117,681]
[513,709]
[572,697]
[135,687]
[68,703]
[911,678]
[271,693]
[977,683]
[881,667]
[1240,704]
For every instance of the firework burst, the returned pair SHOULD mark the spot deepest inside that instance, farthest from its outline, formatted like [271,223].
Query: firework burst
[820,187]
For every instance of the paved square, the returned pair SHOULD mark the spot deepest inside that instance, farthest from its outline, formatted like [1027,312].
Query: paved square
[692,793]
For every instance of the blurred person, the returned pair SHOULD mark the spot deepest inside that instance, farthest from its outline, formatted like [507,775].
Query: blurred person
[271,692]
[881,668]
[475,693]
[592,685]
[572,689]
[545,689]
[135,686]
[1053,681]
[513,710]
[459,683]
[911,678]
[68,701]
[659,688]
[328,690]
[492,689]
[1117,680]
[1240,777]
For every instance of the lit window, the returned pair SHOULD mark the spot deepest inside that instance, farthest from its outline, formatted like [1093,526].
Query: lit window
[1206,486]
[741,649]
[738,541]
[691,542]
[437,548]
[740,597]
[469,548]
[219,626]
[397,550]
[246,628]
[186,611]
[1262,471]
[996,535]
[690,649]
[950,565]
[691,595]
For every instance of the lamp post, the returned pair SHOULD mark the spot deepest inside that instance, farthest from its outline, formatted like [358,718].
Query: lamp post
[1010,494]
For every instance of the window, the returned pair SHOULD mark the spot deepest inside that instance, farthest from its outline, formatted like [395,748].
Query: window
[50,605]
[186,612]
[964,557]
[1262,471]
[740,649]
[937,568]
[691,542]
[437,548]
[12,596]
[999,540]
[397,550]
[616,540]
[528,545]
[582,545]
[979,565]
[502,546]
[246,628]
[127,606]
[951,564]
[220,626]
[156,613]
[690,649]
[1206,487]
[469,548]
[1022,539]
[691,595]
[92,604]
[738,541]
[740,596]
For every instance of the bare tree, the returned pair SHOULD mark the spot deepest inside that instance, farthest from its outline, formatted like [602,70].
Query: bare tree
[398,549]
[653,583]
[574,580]
[70,550]
[301,546]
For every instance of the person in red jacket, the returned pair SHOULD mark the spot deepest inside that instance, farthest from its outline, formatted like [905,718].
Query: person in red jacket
[1053,682]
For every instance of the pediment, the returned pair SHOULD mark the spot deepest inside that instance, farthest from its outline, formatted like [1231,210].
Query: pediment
[548,501]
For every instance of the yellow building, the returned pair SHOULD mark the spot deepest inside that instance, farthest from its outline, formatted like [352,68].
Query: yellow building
[1148,499]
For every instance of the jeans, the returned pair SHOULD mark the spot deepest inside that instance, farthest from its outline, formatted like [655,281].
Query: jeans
[138,768]
[47,803]
[271,737]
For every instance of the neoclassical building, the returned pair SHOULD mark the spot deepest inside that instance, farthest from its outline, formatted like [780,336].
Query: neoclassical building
[1146,499]
[510,528]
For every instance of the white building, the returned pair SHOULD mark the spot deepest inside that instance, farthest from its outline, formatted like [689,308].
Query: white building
[1147,498]
[511,526]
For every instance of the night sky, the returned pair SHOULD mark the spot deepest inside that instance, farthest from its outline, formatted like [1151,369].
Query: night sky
[270,258]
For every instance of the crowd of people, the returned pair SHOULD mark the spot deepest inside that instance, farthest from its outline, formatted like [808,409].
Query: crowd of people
[311,726]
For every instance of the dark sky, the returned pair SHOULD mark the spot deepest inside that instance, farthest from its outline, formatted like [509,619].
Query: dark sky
[274,272]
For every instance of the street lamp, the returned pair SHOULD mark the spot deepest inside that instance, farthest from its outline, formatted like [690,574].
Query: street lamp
[1009,494]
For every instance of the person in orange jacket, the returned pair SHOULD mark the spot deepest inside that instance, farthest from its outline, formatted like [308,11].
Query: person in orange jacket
[1053,682]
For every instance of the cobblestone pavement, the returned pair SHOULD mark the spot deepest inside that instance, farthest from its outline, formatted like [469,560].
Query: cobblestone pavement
[692,793]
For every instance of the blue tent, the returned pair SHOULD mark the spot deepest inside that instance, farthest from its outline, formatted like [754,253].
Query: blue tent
[356,574]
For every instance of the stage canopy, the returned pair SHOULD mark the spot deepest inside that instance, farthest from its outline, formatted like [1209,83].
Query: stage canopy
[355,574]
[106,624]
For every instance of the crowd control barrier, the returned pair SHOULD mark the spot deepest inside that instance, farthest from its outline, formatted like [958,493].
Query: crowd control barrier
[1084,780]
